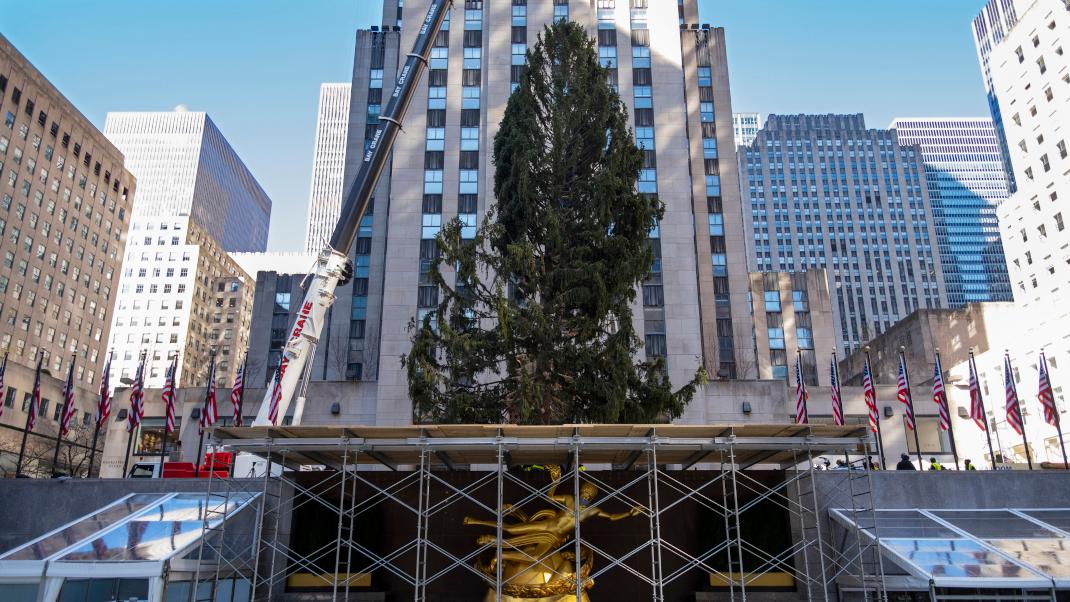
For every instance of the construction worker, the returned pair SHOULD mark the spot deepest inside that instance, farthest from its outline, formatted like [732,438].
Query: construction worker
[969,465]
[905,463]
[934,465]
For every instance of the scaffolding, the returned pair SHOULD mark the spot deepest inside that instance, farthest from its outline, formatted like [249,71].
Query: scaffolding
[704,504]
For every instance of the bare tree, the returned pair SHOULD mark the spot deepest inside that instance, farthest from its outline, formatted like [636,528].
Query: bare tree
[745,351]
[338,349]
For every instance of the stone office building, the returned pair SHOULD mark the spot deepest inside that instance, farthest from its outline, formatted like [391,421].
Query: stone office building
[65,202]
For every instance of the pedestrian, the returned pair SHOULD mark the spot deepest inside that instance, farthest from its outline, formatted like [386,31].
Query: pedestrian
[969,465]
[934,465]
[871,464]
[905,463]
[841,465]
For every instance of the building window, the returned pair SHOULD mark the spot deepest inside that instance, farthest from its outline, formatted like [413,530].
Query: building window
[932,439]
[151,434]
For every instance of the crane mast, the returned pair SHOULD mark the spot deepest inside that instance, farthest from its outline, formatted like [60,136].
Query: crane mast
[333,265]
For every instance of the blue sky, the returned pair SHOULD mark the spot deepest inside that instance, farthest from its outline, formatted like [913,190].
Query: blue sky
[256,65]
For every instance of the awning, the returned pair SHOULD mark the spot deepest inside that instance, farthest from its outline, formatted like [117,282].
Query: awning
[135,536]
[983,549]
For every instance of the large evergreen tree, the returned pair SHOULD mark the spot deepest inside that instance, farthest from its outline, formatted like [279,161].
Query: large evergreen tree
[534,323]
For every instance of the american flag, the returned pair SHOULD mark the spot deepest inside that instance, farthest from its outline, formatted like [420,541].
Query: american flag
[35,397]
[276,392]
[977,402]
[209,415]
[104,396]
[801,396]
[870,393]
[168,396]
[137,398]
[903,394]
[1014,409]
[1047,395]
[236,394]
[837,401]
[940,396]
[3,369]
[68,402]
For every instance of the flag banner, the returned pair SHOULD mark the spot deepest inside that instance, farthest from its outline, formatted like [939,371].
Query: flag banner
[1047,394]
[168,396]
[209,413]
[940,396]
[977,402]
[1014,409]
[104,395]
[236,393]
[801,416]
[35,398]
[870,393]
[276,393]
[68,403]
[837,400]
[903,395]
[137,398]
[3,369]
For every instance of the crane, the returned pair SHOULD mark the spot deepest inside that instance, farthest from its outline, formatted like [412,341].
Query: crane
[333,266]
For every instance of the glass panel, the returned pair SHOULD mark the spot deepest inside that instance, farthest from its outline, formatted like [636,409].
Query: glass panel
[1060,519]
[1052,556]
[159,533]
[942,558]
[84,528]
[133,589]
[909,523]
[18,592]
[998,524]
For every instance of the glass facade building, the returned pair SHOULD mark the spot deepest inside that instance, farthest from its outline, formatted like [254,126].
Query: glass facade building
[966,182]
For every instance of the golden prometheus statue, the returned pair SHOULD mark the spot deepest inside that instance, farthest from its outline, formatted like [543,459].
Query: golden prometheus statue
[535,565]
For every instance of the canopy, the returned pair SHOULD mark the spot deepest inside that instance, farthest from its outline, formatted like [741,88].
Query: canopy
[982,549]
[137,536]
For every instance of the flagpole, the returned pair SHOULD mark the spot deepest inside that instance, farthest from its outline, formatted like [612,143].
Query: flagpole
[946,403]
[130,425]
[984,412]
[913,411]
[203,418]
[163,450]
[100,408]
[244,377]
[29,415]
[63,413]
[880,438]
[1054,409]
[1009,375]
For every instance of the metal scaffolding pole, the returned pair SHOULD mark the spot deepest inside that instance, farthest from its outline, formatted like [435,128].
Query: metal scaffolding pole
[577,516]
[352,519]
[656,574]
[735,511]
[341,510]
[500,480]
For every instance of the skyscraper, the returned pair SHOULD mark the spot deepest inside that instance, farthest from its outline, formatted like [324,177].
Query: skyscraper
[989,28]
[966,180]
[745,127]
[675,83]
[65,204]
[180,291]
[189,169]
[328,165]
[826,192]
[1030,72]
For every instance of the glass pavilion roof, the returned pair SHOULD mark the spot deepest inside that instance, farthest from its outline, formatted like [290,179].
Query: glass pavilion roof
[140,527]
[1003,548]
